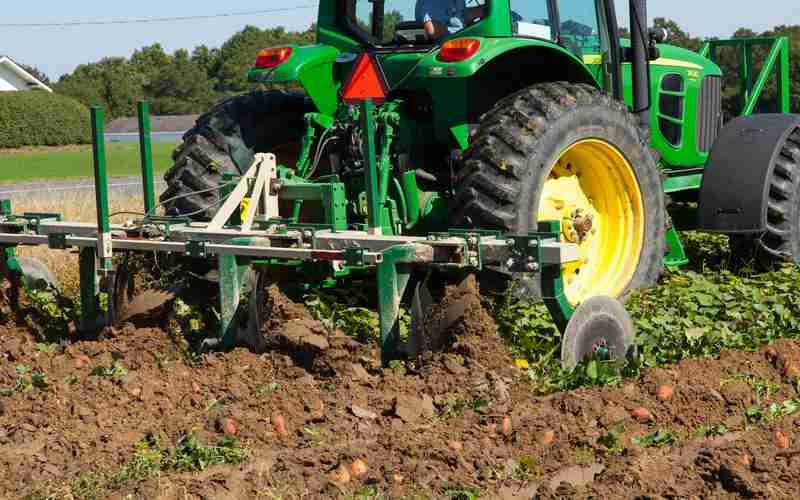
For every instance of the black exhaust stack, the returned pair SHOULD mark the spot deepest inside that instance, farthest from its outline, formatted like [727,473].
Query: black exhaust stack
[639,55]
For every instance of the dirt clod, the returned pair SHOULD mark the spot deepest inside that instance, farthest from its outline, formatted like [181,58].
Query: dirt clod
[363,413]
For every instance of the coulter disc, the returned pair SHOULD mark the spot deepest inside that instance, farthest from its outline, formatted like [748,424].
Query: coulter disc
[600,327]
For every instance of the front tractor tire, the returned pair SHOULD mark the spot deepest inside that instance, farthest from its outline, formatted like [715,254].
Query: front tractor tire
[567,152]
[225,140]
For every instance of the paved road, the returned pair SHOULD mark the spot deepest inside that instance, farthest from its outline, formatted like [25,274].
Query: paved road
[67,189]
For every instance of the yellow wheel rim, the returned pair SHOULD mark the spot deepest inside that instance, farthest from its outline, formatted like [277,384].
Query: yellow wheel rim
[592,190]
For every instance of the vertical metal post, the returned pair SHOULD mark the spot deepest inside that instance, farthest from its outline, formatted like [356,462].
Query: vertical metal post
[640,67]
[784,103]
[374,214]
[146,154]
[9,267]
[745,73]
[90,307]
[101,188]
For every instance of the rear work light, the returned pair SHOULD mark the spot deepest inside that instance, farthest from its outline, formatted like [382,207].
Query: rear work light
[459,50]
[271,58]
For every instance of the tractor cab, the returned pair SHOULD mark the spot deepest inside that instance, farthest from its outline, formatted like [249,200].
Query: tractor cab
[581,27]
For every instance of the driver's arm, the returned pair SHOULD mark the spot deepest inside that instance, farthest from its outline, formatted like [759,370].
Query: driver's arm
[426,11]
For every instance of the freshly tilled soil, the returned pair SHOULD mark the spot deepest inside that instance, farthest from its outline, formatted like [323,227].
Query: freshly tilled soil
[465,420]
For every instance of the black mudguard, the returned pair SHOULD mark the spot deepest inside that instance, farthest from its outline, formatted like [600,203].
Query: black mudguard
[736,181]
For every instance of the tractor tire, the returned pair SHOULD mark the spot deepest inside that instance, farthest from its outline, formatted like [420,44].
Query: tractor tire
[567,152]
[224,141]
[781,241]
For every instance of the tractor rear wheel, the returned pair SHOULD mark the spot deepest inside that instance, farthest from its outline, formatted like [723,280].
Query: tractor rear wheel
[567,152]
[781,241]
[225,140]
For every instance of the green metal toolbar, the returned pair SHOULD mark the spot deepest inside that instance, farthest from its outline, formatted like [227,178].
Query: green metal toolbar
[332,242]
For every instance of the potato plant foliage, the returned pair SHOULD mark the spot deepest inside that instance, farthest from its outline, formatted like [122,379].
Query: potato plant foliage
[696,312]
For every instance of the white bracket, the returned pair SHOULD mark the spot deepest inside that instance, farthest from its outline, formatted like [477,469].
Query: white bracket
[264,169]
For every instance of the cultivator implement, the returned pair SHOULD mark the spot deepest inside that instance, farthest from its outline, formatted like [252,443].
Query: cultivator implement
[247,233]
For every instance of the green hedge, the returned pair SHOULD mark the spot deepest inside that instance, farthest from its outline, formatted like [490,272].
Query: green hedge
[40,118]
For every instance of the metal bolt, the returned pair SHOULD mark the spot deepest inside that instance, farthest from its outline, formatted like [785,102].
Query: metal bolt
[472,241]
[510,263]
[533,243]
[532,267]
[510,242]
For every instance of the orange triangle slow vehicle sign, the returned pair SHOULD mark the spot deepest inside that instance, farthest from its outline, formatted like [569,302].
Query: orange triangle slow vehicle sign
[366,81]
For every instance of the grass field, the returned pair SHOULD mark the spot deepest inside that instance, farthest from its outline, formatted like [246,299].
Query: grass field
[76,161]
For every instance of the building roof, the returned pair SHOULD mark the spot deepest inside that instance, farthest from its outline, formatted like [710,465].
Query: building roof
[31,80]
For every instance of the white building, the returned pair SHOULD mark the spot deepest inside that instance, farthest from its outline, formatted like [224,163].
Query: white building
[14,77]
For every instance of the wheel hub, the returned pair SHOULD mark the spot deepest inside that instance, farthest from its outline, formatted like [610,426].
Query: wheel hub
[593,191]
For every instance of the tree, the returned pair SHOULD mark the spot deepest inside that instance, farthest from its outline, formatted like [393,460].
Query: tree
[390,21]
[113,83]
[677,36]
[150,61]
[207,59]
[36,73]
[182,87]
[238,54]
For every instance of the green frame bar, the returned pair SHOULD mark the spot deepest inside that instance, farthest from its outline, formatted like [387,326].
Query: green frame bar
[99,162]
[146,155]
[374,217]
[776,62]
[332,195]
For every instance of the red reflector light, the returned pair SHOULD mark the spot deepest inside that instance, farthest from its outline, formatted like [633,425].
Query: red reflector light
[366,81]
[459,50]
[271,58]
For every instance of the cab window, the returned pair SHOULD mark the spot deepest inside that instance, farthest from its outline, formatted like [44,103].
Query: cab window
[532,18]
[580,24]
[386,22]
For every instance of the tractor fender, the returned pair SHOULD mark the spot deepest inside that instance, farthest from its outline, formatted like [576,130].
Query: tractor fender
[498,58]
[735,190]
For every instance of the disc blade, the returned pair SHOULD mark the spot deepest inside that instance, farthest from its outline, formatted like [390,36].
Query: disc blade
[602,327]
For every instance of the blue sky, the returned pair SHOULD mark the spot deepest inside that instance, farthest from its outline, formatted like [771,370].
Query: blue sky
[59,50]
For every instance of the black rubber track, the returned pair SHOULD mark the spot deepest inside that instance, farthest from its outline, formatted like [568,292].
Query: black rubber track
[518,141]
[781,241]
[224,141]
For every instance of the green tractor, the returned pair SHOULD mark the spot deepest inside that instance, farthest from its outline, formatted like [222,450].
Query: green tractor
[500,114]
